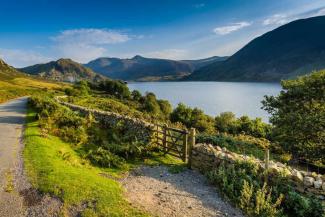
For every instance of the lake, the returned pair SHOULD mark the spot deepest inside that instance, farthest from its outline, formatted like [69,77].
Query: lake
[241,98]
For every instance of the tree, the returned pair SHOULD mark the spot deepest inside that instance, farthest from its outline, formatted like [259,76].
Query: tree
[192,118]
[226,122]
[298,116]
[151,105]
[165,107]
[136,95]
[116,88]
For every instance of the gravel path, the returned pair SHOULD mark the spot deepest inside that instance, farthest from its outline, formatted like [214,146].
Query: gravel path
[185,194]
[17,197]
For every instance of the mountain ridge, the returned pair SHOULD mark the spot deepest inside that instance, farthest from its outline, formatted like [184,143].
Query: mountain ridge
[139,68]
[65,70]
[288,51]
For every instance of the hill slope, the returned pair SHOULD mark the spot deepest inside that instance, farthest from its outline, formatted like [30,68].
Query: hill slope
[293,49]
[144,69]
[63,70]
[14,83]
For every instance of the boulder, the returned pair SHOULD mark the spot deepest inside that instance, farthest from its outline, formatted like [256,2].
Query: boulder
[309,181]
[297,176]
[318,184]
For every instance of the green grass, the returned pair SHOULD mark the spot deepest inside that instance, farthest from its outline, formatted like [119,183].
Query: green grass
[54,167]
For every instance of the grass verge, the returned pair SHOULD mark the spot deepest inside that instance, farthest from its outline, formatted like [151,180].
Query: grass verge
[54,167]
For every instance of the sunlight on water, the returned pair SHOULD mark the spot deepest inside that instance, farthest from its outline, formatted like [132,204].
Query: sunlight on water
[214,97]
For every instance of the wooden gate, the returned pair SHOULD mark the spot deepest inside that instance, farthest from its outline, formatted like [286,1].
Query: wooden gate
[173,141]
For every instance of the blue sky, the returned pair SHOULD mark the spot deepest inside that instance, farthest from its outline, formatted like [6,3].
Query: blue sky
[37,31]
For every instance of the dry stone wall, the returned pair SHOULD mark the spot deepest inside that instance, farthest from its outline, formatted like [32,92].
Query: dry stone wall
[138,128]
[206,157]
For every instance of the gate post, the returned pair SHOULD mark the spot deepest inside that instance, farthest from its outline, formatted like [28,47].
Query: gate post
[190,146]
[185,147]
[165,138]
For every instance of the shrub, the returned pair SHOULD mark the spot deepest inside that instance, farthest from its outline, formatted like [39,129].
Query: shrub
[244,184]
[192,118]
[298,116]
[105,158]
[115,88]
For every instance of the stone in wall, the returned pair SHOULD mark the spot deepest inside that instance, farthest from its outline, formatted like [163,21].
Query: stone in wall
[206,157]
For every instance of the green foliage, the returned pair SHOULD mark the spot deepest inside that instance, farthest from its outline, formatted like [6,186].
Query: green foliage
[106,146]
[226,122]
[136,95]
[244,184]
[115,88]
[192,118]
[105,158]
[302,206]
[54,167]
[150,104]
[298,116]
[165,108]
[79,89]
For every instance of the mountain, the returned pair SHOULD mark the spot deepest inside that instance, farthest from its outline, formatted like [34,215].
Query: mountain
[63,70]
[197,64]
[140,68]
[14,83]
[290,50]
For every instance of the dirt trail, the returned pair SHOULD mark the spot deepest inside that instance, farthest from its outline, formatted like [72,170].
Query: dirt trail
[17,197]
[185,194]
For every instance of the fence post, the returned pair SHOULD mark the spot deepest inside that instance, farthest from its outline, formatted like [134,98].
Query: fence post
[191,143]
[267,159]
[165,138]
[185,147]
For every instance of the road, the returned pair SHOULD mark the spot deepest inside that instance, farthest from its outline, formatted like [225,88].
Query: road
[12,119]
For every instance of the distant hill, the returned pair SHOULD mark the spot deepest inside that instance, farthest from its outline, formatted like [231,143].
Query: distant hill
[14,83]
[140,68]
[63,70]
[197,64]
[293,49]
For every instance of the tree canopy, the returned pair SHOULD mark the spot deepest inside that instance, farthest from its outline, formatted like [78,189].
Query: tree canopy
[298,116]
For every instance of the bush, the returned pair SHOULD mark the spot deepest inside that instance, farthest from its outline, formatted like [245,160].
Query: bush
[300,206]
[192,118]
[115,88]
[105,158]
[244,184]
[298,116]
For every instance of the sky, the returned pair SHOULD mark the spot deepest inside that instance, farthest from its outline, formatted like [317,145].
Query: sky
[38,31]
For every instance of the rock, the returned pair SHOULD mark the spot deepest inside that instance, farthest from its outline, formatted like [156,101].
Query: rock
[323,186]
[318,184]
[319,178]
[297,176]
[309,181]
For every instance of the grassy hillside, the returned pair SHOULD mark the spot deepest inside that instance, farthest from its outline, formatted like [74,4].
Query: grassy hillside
[294,49]
[63,70]
[14,83]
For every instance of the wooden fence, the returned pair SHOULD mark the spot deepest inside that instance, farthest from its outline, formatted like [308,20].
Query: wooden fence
[176,142]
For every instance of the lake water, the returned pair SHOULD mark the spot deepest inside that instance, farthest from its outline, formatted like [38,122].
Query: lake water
[242,98]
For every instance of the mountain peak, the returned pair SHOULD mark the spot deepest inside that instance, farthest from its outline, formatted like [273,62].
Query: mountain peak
[137,57]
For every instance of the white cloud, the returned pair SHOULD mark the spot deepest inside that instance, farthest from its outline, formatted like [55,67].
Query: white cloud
[174,54]
[79,52]
[86,44]
[91,36]
[276,19]
[281,19]
[21,58]
[199,5]
[224,30]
